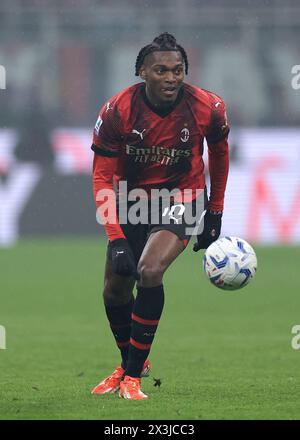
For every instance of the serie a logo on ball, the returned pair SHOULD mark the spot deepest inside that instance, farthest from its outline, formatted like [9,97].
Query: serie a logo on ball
[230,263]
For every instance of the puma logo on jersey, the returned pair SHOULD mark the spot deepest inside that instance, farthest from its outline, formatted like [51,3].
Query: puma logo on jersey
[217,104]
[139,133]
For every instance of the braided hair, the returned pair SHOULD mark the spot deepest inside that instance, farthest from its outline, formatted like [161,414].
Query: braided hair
[164,42]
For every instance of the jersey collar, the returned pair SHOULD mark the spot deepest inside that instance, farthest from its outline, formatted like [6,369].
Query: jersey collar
[162,112]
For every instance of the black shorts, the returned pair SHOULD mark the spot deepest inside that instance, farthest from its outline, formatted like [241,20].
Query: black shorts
[173,218]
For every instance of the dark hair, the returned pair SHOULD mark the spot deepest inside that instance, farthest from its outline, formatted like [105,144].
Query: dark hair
[164,42]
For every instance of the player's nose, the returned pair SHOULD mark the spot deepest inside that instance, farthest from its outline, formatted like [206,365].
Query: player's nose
[170,77]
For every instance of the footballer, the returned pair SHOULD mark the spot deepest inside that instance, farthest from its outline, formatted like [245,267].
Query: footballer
[150,136]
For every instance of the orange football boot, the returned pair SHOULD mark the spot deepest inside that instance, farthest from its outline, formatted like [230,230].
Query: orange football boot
[111,384]
[130,389]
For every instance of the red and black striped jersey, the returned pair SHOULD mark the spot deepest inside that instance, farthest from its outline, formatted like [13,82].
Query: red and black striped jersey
[154,149]
[158,150]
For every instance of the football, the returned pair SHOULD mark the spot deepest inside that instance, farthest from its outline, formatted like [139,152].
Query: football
[230,263]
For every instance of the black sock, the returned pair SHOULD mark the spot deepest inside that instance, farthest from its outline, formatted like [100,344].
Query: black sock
[146,313]
[120,323]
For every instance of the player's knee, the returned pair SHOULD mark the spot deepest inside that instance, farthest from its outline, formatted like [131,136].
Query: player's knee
[151,273]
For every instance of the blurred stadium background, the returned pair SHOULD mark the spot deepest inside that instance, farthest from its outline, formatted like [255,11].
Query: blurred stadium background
[63,59]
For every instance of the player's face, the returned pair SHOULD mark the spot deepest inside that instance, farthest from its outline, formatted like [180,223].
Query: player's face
[164,74]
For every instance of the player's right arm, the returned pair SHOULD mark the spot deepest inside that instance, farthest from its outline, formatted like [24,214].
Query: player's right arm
[104,195]
[106,145]
[107,139]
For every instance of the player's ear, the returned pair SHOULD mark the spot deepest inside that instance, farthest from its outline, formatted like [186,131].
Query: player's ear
[143,74]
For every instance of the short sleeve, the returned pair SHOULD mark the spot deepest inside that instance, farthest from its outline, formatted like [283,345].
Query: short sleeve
[218,128]
[107,135]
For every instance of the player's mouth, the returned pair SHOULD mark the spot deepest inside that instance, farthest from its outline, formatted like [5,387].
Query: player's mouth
[169,91]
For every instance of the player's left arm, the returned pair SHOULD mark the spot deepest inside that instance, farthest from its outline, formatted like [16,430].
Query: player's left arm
[218,162]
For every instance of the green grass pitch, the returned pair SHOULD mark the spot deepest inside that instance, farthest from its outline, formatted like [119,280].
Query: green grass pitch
[218,355]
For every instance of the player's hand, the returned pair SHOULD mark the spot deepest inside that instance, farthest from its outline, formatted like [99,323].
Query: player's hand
[211,230]
[123,262]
